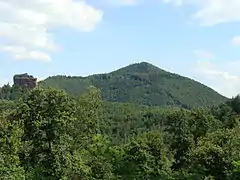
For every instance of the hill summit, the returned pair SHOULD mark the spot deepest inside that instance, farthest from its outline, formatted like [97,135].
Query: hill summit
[142,67]
[141,83]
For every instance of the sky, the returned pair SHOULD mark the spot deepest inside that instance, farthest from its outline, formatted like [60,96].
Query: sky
[199,39]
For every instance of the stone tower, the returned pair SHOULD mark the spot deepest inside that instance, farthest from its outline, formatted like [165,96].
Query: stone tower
[25,80]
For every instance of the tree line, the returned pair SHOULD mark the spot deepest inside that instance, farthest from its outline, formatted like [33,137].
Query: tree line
[45,134]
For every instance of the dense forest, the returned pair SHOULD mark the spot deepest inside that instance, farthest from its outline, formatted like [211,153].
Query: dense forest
[47,134]
[141,83]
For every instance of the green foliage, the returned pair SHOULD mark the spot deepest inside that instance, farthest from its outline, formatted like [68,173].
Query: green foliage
[12,93]
[215,153]
[10,145]
[45,115]
[48,134]
[147,157]
[98,153]
[235,174]
[73,85]
[226,114]
[202,122]
[5,92]
[235,104]
[6,106]
[181,138]
[86,114]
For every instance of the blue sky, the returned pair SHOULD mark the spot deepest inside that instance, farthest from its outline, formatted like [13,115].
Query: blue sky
[198,38]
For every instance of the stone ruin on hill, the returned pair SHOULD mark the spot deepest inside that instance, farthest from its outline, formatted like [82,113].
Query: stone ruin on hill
[25,80]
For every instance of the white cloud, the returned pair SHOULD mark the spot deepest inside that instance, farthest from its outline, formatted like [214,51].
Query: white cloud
[203,54]
[218,11]
[121,2]
[212,12]
[126,2]
[174,2]
[209,12]
[236,41]
[20,53]
[223,77]
[25,26]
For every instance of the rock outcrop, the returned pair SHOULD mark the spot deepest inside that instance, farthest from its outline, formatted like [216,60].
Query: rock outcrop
[25,80]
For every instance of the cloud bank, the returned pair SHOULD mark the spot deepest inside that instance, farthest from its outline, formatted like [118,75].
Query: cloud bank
[212,12]
[25,26]
[223,77]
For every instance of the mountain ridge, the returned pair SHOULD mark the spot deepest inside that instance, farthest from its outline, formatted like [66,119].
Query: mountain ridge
[141,83]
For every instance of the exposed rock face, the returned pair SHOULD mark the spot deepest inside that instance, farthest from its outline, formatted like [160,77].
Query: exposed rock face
[25,80]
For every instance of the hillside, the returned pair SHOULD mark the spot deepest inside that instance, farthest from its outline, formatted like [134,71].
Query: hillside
[141,83]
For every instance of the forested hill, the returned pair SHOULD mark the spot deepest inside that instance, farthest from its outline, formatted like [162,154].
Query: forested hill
[46,134]
[141,83]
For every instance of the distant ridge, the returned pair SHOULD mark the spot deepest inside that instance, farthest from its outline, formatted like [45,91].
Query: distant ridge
[141,83]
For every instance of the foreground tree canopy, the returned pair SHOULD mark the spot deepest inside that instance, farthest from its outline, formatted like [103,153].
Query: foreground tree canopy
[48,135]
